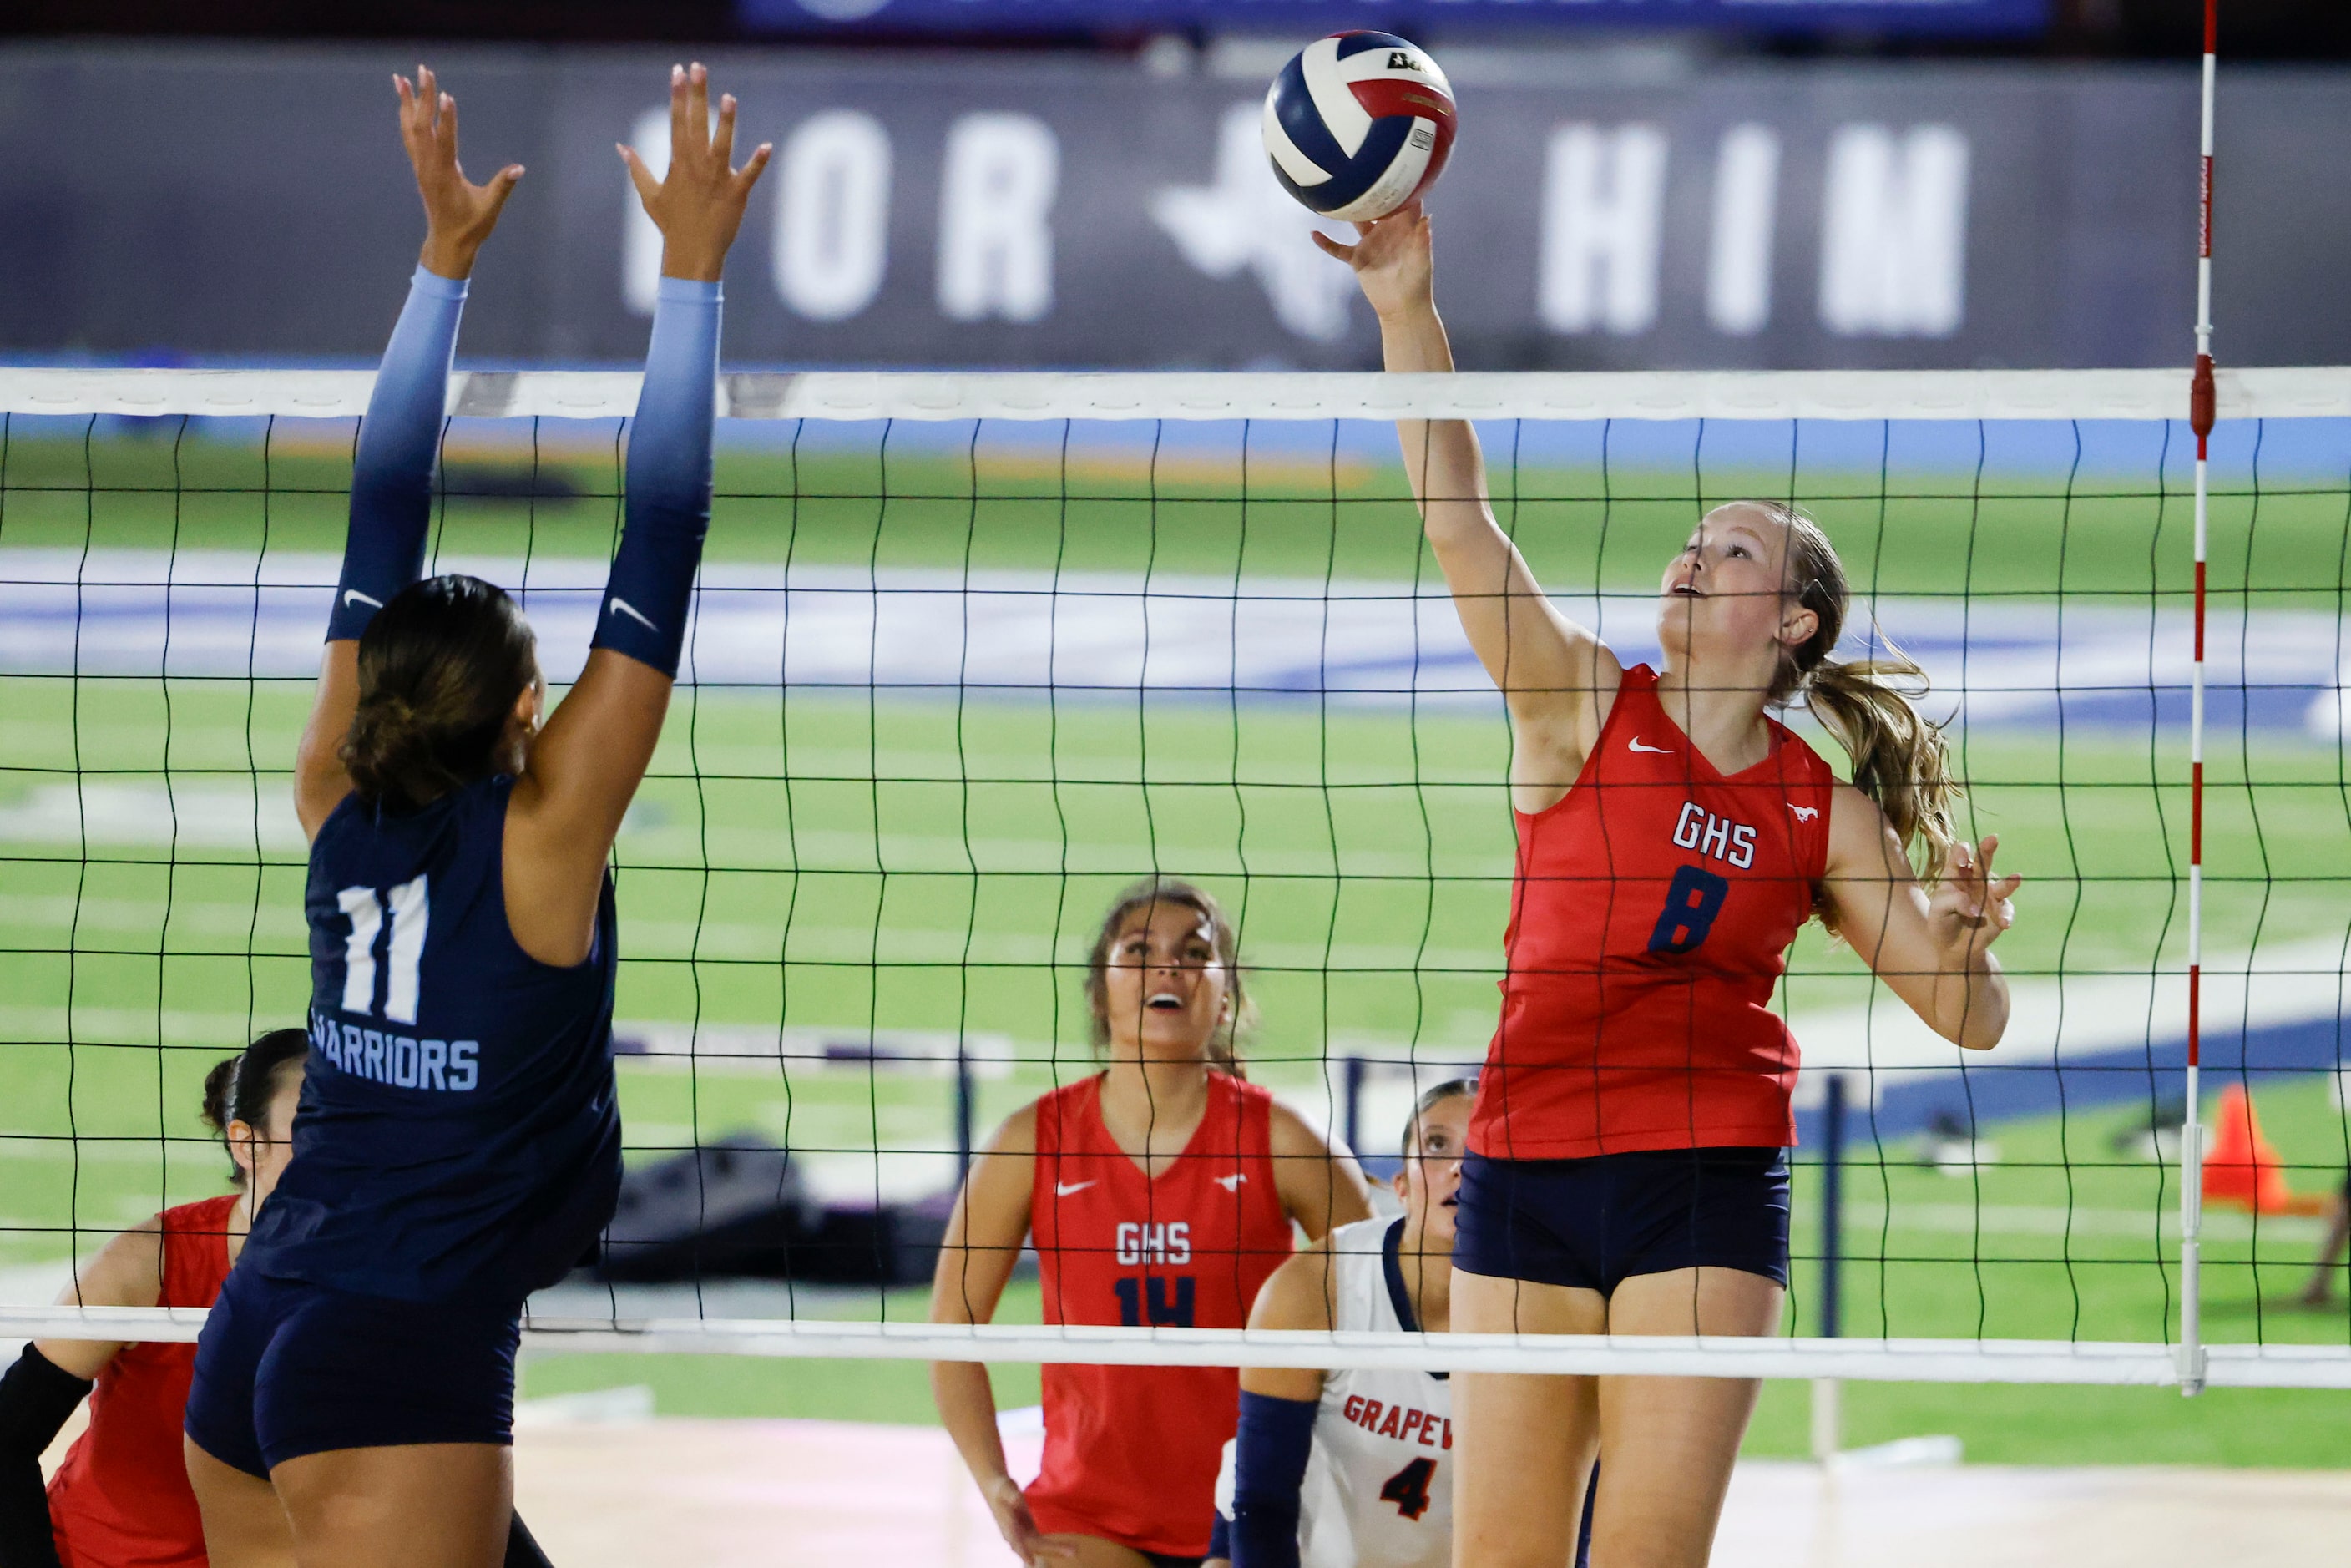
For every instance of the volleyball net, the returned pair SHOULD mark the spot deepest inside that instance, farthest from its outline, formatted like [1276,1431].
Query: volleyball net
[973,652]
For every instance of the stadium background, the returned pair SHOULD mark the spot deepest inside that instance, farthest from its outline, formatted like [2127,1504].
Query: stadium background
[1976,184]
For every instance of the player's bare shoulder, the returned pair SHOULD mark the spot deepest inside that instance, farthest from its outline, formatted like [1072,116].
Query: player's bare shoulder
[1301,1293]
[127,1271]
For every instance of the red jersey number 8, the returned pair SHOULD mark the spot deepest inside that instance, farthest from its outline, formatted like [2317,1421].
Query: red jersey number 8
[1691,904]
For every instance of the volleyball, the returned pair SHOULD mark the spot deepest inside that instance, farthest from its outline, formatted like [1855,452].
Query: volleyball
[1357,124]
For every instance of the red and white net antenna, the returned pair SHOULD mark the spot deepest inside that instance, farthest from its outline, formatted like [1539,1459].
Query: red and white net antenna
[2202,402]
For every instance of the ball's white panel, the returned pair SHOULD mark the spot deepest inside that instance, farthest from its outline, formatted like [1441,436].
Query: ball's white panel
[1397,181]
[1348,122]
[1282,150]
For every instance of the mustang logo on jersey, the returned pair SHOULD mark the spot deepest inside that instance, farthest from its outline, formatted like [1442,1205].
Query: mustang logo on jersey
[1718,838]
[396,1059]
[1399,1421]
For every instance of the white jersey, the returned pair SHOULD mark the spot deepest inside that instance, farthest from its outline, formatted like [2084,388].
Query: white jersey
[1378,1491]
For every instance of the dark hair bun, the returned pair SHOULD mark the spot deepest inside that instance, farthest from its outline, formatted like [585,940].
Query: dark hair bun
[440,668]
[240,1088]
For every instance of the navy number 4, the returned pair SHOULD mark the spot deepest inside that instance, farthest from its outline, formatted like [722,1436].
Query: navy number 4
[1408,1487]
[1691,904]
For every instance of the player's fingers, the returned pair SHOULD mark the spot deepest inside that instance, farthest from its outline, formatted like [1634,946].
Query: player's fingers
[1329,247]
[502,184]
[677,113]
[722,144]
[449,125]
[755,168]
[697,107]
[639,176]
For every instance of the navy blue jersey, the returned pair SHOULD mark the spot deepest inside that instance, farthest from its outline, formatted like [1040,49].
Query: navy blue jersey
[458,1137]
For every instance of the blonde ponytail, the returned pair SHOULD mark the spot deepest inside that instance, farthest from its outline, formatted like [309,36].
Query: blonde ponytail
[1900,759]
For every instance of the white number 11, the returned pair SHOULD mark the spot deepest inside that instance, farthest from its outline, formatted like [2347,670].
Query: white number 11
[411,913]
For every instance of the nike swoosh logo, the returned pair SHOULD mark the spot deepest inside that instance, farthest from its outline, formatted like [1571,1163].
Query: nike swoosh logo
[352,595]
[1660,750]
[1231,1183]
[629,610]
[1063,1189]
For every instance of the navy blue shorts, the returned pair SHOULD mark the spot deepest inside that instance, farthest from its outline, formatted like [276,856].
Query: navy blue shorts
[286,1368]
[1592,1224]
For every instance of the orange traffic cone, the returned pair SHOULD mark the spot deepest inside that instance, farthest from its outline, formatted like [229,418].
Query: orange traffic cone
[2242,1169]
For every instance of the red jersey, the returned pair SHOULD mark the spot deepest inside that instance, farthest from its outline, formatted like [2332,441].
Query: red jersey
[1650,918]
[121,1498]
[1130,1452]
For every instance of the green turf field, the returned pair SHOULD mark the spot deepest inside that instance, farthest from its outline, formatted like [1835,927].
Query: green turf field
[844,861]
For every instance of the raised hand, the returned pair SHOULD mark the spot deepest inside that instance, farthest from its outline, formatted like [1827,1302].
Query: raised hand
[458,213]
[698,205]
[1391,259]
[1969,909]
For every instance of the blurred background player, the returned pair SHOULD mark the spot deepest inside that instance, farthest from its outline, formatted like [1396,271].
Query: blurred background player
[120,1498]
[1626,1171]
[1353,1469]
[458,1145]
[1160,1191]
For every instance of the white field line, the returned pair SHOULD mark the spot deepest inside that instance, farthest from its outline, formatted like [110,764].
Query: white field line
[1882,1042]
[1108,637]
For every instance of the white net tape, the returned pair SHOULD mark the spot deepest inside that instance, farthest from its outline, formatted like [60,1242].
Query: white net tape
[2257,394]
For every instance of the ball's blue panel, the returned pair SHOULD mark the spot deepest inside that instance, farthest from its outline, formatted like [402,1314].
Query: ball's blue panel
[1347,183]
[1294,107]
[1356,43]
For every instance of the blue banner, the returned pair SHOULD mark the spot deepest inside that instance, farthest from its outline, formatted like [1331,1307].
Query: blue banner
[1015,18]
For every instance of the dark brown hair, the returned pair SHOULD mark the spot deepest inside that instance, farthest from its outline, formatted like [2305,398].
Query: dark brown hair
[1430,1099]
[440,667]
[240,1088]
[1224,1048]
[1869,706]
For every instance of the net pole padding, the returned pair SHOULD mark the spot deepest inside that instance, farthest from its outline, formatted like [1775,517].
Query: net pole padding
[1828,1415]
[2247,393]
[2093,1363]
[2202,411]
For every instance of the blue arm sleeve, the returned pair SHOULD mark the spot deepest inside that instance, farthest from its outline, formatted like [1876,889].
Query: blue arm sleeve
[392,476]
[1268,1468]
[651,589]
[1220,1539]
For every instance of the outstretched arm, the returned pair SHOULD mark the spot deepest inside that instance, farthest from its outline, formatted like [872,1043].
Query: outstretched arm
[1933,950]
[1557,676]
[585,768]
[392,474]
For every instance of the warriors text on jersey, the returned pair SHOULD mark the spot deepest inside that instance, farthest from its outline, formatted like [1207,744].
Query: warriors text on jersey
[121,1496]
[1650,919]
[458,1137]
[1131,1451]
[1378,1491]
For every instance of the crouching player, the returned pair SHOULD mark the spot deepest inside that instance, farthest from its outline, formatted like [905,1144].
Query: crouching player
[1354,1469]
